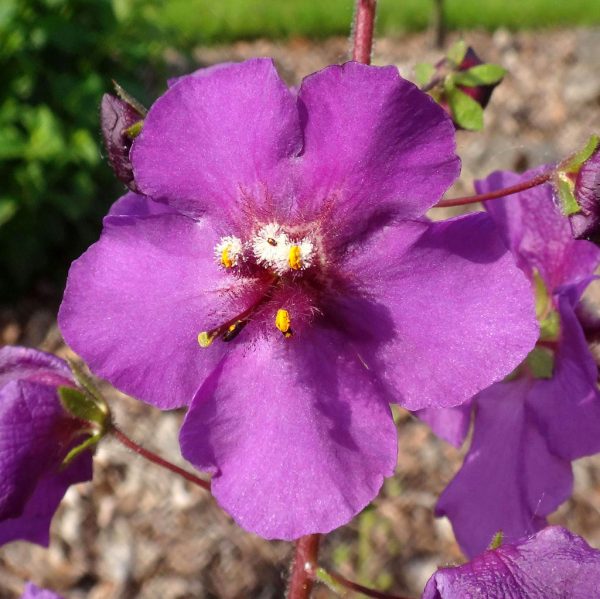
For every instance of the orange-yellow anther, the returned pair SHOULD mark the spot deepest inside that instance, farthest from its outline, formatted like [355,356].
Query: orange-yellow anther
[295,257]
[226,260]
[283,322]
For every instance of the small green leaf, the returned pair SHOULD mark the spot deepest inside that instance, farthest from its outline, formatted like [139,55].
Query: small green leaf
[423,73]
[127,97]
[482,74]
[568,202]
[86,382]
[466,112]
[540,362]
[573,164]
[457,52]
[87,444]
[81,406]
[135,129]
[8,207]
[497,540]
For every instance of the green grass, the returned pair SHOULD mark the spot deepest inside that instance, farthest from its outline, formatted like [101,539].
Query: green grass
[210,21]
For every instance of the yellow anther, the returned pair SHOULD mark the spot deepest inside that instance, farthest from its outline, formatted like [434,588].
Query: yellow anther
[205,338]
[226,261]
[295,257]
[283,322]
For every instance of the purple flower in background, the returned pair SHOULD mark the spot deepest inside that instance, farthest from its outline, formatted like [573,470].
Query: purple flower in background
[529,429]
[587,193]
[36,434]
[550,564]
[291,287]
[33,592]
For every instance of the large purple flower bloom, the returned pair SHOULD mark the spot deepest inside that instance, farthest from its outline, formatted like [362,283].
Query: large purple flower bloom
[553,563]
[528,429]
[35,436]
[290,237]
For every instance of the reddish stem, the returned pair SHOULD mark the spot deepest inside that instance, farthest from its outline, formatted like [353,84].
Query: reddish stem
[364,23]
[359,588]
[499,193]
[305,560]
[156,459]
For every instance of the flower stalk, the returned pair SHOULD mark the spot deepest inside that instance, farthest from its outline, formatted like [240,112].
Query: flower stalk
[364,24]
[156,459]
[304,566]
[498,193]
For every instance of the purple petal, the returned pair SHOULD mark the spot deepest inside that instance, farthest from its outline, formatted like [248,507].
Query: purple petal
[23,363]
[587,193]
[33,592]
[551,564]
[461,313]
[450,424]
[537,232]
[136,301]
[211,141]
[374,140]
[567,406]
[509,480]
[296,434]
[33,524]
[133,204]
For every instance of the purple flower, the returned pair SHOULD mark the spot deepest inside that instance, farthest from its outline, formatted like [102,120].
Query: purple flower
[587,193]
[33,592]
[550,564]
[299,260]
[529,429]
[36,436]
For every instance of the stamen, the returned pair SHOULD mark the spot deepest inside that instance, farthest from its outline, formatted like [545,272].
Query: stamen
[283,322]
[205,338]
[295,257]
[234,330]
[229,251]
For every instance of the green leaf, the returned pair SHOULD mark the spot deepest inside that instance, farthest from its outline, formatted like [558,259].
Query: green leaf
[573,164]
[457,52]
[466,112]
[8,207]
[423,73]
[497,540]
[81,406]
[568,202]
[87,444]
[482,74]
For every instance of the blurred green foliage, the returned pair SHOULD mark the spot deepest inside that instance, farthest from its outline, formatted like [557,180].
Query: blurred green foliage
[57,58]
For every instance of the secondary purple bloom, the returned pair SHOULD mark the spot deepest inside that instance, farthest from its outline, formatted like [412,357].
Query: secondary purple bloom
[550,564]
[36,436]
[529,429]
[33,592]
[320,295]
[587,193]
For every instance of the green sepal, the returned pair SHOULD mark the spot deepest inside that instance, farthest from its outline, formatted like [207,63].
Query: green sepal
[496,541]
[457,52]
[88,385]
[574,163]
[481,74]
[466,112]
[565,188]
[82,406]
[129,99]
[424,71]
[324,577]
[547,317]
[135,129]
[540,362]
[87,444]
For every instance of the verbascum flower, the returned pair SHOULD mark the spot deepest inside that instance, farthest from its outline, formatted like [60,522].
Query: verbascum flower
[36,435]
[552,563]
[529,428]
[282,282]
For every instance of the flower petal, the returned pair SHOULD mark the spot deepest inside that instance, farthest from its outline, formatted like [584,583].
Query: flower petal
[136,301]
[212,140]
[375,140]
[567,406]
[296,433]
[133,204]
[536,231]
[509,480]
[462,314]
[553,563]
[450,424]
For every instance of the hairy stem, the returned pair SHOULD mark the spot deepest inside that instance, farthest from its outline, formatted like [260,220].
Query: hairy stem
[364,23]
[156,459]
[498,193]
[303,567]
[333,578]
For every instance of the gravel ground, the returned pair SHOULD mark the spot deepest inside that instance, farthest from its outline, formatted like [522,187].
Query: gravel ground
[137,531]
